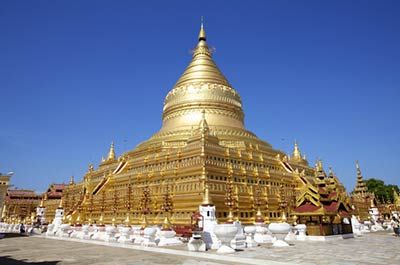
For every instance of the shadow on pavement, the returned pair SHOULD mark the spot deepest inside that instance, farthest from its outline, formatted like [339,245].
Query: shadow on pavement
[7,260]
[10,235]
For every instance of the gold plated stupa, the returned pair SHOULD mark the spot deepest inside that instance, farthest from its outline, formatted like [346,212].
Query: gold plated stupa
[201,150]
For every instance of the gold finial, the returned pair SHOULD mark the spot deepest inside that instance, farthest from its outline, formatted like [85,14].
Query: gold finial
[101,220]
[206,196]
[166,224]
[283,218]
[203,122]
[78,219]
[203,117]
[202,34]
[319,166]
[127,220]
[111,153]
[258,201]
[69,217]
[71,181]
[259,216]
[230,200]
[294,219]
[167,208]
[296,151]
[358,168]
[42,203]
[144,222]
[60,205]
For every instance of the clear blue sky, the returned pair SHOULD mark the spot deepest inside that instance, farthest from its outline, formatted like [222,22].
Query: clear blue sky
[75,75]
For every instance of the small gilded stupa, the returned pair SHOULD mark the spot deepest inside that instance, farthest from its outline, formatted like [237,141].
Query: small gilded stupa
[361,199]
[202,155]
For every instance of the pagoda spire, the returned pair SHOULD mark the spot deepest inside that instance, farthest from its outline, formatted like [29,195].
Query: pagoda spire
[202,33]
[320,173]
[42,203]
[111,153]
[318,166]
[358,168]
[203,122]
[296,151]
[206,193]
[361,187]
[297,157]
[71,181]
[331,172]
[60,205]
[202,68]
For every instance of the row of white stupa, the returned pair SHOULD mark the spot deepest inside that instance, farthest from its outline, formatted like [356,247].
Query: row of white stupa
[226,238]
[373,225]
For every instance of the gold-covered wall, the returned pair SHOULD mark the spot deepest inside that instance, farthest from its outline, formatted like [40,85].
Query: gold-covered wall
[4,183]
[20,205]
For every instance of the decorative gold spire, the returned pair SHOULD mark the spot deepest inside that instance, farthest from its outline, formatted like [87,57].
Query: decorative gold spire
[361,187]
[230,200]
[111,153]
[202,67]
[297,157]
[202,33]
[282,202]
[78,219]
[203,126]
[258,201]
[167,207]
[318,166]
[60,205]
[330,172]
[127,221]
[71,181]
[296,151]
[206,195]
[145,203]
[144,222]
[128,203]
[42,203]
[101,219]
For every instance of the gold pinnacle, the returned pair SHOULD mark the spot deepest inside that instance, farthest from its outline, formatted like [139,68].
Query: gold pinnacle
[127,220]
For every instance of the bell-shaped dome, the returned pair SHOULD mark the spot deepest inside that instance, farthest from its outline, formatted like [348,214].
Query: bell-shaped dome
[202,87]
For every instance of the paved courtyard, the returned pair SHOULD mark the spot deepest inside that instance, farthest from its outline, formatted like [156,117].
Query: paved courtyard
[373,248]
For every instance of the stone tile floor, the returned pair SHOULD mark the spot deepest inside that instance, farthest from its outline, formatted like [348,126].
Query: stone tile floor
[373,248]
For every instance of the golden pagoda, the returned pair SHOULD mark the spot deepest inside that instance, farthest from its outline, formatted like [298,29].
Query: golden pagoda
[202,155]
[361,199]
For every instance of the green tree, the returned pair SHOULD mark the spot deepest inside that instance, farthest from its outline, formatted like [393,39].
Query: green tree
[381,191]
